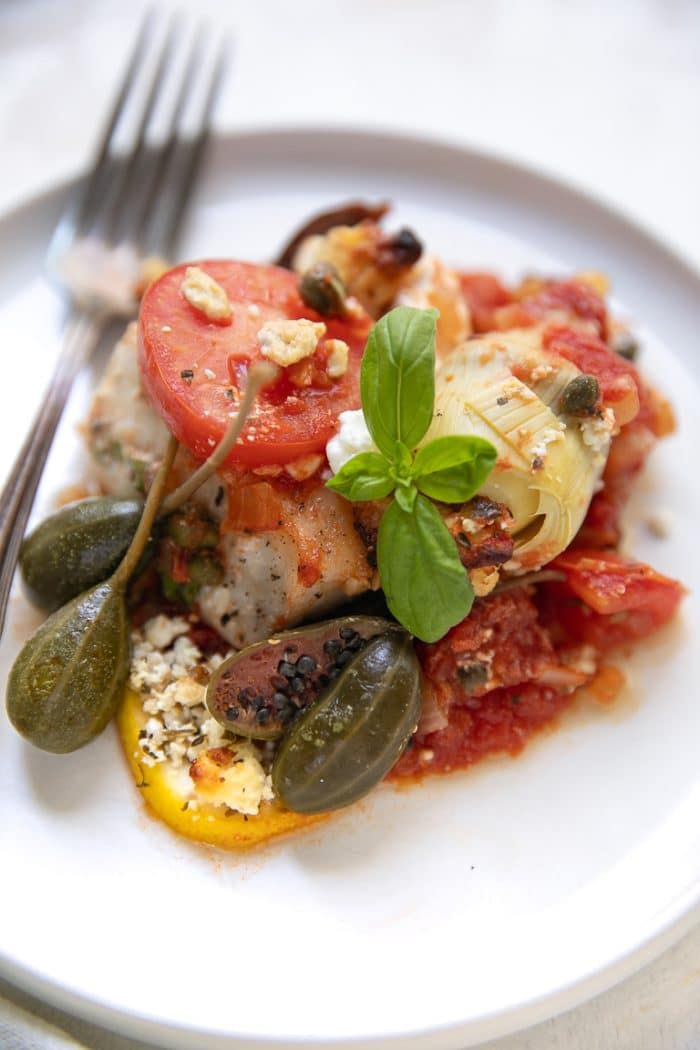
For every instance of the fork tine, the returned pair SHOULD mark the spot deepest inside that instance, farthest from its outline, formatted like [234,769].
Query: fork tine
[187,157]
[164,154]
[90,196]
[77,216]
[119,190]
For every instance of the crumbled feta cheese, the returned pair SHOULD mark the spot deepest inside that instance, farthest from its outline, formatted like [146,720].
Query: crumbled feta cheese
[337,358]
[597,431]
[232,776]
[540,372]
[544,438]
[161,631]
[469,526]
[286,342]
[169,673]
[302,468]
[206,295]
[352,437]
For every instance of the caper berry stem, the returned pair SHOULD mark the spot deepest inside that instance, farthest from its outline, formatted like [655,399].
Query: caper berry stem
[150,510]
[261,374]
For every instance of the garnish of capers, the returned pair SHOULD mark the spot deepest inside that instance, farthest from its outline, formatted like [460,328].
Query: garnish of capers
[580,396]
[323,290]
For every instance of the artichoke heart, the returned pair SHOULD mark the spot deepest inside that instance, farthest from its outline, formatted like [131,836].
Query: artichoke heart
[505,388]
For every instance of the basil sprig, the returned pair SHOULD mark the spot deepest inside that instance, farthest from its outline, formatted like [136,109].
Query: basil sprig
[426,586]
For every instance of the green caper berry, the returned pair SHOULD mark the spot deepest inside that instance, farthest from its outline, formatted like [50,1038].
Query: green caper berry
[626,346]
[322,289]
[580,396]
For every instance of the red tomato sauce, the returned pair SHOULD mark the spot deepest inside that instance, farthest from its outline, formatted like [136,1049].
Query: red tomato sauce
[498,713]
[501,721]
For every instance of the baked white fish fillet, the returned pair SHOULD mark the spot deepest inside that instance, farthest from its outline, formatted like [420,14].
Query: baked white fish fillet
[312,561]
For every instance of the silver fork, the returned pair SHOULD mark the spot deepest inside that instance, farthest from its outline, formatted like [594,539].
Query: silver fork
[128,208]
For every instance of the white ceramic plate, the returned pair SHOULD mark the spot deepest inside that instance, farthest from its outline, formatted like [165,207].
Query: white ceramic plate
[433,917]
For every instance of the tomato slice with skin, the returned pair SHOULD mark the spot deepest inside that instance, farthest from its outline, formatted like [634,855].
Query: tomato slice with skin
[621,386]
[611,583]
[194,369]
[619,600]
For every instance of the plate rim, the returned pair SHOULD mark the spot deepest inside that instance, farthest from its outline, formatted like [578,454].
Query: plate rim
[676,919]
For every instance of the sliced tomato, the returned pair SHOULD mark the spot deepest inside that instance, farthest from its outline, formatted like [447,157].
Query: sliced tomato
[621,386]
[194,369]
[484,293]
[496,308]
[572,296]
[619,600]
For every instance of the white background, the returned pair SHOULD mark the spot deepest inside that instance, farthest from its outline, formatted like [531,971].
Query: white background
[605,95]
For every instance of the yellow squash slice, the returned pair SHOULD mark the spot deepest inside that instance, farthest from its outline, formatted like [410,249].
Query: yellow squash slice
[168,793]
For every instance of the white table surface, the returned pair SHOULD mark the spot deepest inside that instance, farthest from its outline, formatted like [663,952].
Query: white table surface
[603,95]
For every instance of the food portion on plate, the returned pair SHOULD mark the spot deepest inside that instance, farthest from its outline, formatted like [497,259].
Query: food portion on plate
[360,520]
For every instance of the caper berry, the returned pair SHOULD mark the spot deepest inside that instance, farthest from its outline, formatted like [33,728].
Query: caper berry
[68,679]
[76,548]
[322,289]
[580,396]
[345,742]
[286,673]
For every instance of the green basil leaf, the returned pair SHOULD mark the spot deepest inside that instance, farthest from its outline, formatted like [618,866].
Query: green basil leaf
[405,496]
[452,469]
[365,476]
[426,586]
[397,381]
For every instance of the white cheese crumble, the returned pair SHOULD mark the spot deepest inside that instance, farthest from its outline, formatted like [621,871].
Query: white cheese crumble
[169,673]
[161,631]
[232,776]
[206,295]
[286,342]
[337,358]
[352,437]
[544,438]
[597,431]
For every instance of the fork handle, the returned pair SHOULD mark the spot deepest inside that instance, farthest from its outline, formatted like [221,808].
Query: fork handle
[80,338]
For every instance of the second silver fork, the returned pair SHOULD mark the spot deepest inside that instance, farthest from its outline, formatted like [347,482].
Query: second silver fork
[130,207]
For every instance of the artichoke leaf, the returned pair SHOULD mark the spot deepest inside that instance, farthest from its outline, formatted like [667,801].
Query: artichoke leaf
[505,389]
